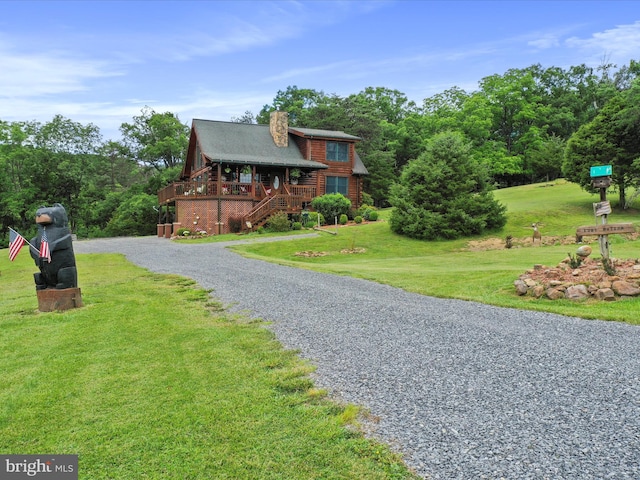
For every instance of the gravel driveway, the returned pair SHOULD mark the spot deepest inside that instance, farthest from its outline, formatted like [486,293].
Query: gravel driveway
[463,390]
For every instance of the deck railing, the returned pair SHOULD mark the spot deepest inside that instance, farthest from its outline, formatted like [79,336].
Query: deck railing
[210,189]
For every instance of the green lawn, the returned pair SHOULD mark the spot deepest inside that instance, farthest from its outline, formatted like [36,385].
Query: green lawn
[151,379]
[450,269]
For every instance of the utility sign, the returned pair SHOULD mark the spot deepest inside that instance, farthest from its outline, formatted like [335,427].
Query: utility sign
[601,171]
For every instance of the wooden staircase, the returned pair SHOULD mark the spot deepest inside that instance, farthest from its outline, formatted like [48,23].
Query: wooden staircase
[280,202]
[290,200]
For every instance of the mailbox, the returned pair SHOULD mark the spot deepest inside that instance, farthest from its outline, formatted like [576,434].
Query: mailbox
[601,182]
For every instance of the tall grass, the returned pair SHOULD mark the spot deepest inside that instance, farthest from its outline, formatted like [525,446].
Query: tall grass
[151,379]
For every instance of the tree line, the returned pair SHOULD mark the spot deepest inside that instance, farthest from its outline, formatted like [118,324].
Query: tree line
[108,188]
[524,126]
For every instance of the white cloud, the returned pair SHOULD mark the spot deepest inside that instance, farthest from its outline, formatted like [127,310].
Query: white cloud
[545,41]
[29,74]
[623,41]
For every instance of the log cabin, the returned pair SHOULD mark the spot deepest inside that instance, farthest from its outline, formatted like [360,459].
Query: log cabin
[241,174]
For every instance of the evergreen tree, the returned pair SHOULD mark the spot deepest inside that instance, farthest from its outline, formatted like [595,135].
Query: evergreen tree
[445,193]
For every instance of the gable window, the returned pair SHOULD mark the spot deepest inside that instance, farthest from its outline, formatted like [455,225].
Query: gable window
[198,157]
[337,151]
[337,185]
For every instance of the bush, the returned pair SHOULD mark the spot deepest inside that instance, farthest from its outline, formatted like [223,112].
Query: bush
[343,219]
[296,226]
[365,211]
[331,205]
[313,219]
[260,230]
[183,232]
[373,215]
[235,224]
[310,224]
[358,219]
[279,222]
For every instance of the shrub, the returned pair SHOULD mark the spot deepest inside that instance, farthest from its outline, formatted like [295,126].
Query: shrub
[574,262]
[358,219]
[310,224]
[279,222]
[296,226]
[373,215]
[365,211]
[183,232]
[344,219]
[260,230]
[331,205]
[235,224]
[313,219]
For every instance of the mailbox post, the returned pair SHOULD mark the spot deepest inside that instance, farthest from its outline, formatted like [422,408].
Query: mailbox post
[601,178]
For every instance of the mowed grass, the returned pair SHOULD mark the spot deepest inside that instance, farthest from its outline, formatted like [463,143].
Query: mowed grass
[450,269]
[152,379]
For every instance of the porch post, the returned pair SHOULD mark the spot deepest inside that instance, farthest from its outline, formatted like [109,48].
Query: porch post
[219,193]
[254,185]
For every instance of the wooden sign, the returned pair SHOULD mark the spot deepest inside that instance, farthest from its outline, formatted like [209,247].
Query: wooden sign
[606,229]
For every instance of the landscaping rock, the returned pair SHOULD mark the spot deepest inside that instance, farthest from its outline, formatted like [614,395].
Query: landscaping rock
[584,251]
[554,293]
[521,287]
[576,292]
[625,288]
[589,280]
[537,291]
[605,294]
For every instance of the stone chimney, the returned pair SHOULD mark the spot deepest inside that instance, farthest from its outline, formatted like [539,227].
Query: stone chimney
[279,128]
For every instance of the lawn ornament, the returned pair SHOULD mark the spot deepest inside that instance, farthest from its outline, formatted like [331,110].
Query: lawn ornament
[53,253]
[536,233]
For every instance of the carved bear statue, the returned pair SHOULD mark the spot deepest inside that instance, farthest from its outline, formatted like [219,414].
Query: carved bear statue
[61,271]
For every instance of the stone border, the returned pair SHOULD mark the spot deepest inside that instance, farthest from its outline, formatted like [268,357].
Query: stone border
[589,280]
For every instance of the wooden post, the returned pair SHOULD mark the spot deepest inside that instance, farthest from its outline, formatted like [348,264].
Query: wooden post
[603,240]
[601,178]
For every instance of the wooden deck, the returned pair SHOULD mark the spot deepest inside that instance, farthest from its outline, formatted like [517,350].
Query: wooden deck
[213,190]
[219,199]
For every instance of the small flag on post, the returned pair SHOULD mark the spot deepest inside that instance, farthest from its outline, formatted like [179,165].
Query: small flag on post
[44,246]
[16,242]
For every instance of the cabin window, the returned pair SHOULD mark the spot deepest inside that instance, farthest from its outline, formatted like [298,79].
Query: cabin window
[337,152]
[198,158]
[337,185]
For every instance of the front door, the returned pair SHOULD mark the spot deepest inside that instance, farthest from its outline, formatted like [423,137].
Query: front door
[276,183]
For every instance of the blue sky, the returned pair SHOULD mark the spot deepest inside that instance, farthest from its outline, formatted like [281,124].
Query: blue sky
[102,62]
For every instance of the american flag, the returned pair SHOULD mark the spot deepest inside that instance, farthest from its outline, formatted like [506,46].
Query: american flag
[44,247]
[16,241]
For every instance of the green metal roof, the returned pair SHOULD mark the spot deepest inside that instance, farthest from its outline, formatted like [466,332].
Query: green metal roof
[314,132]
[358,166]
[243,143]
